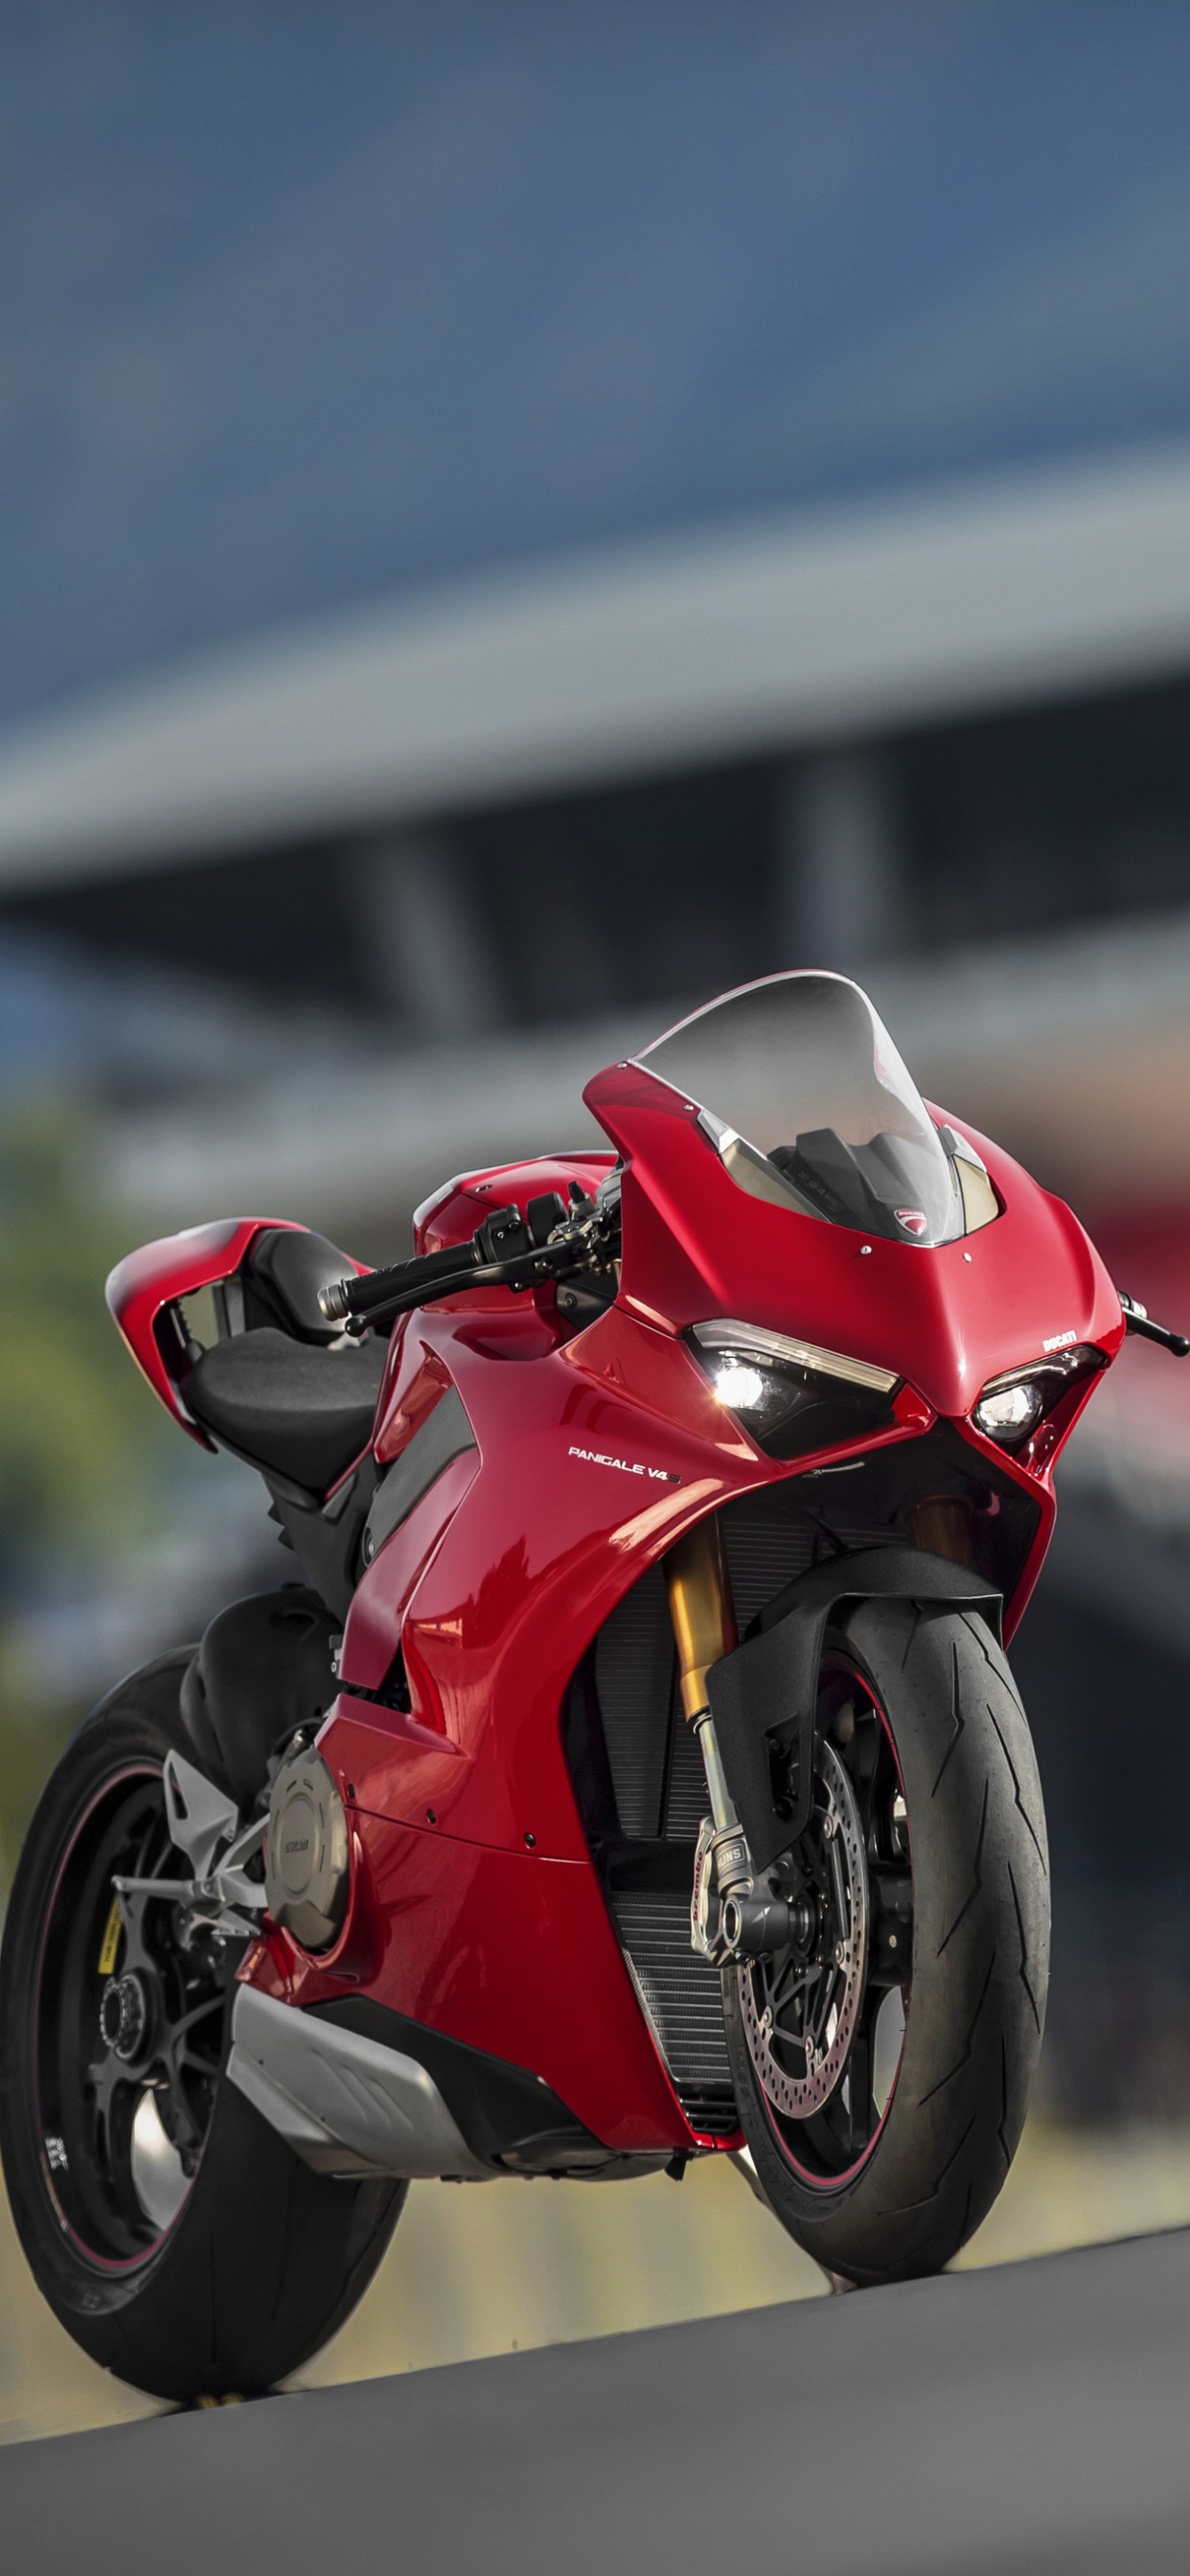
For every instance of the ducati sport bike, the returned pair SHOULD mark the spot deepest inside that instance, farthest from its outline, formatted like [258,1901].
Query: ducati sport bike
[630,1769]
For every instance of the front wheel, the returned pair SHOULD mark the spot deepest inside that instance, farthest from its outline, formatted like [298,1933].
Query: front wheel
[883,2061]
[175,2236]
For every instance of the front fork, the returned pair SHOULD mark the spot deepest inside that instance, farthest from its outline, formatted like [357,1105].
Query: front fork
[703,1616]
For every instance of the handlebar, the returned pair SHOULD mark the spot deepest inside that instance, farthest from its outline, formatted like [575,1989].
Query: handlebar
[354,1300]
[509,1250]
[551,1241]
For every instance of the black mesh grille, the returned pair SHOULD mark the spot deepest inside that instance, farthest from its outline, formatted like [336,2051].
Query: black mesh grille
[634,1676]
[682,1997]
[685,1786]
[771,1536]
[764,1551]
[660,1795]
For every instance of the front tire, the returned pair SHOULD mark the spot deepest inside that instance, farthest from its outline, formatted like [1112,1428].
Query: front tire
[173,2233]
[927,1771]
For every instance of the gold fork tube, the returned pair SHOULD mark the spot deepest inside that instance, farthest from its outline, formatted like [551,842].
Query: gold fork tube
[700,1607]
[703,1616]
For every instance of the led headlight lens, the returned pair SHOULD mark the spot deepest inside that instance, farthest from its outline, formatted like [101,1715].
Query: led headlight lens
[790,1396]
[1010,1411]
[760,1397]
[738,1385]
[1010,1408]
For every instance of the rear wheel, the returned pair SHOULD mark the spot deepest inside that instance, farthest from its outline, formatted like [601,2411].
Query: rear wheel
[883,2061]
[175,2236]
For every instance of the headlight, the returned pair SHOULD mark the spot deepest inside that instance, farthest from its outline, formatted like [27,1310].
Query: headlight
[791,1396]
[742,1388]
[1009,1413]
[1011,1406]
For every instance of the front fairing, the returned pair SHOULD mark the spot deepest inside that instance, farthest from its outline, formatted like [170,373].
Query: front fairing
[945,1318]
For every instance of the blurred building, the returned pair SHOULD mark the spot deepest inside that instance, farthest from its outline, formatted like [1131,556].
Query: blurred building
[521,519]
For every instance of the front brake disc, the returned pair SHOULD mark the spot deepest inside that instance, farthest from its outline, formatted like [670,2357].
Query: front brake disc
[800,2016]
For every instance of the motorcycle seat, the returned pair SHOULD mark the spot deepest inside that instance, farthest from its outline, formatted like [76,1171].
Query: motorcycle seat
[296,1408]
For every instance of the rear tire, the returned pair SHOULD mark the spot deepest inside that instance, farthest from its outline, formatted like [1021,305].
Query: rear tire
[896,2192]
[261,2260]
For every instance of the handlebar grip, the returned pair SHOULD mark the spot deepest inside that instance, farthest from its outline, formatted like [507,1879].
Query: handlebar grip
[333,1300]
[352,1299]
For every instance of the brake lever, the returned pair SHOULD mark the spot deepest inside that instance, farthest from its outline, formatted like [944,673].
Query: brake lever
[584,1240]
[1137,1319]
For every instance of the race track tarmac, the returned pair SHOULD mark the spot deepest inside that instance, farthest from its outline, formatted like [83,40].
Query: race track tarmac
[1035,2417]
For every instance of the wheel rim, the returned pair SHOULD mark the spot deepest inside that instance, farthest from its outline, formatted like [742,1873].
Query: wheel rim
[824,2019]
[128,2033]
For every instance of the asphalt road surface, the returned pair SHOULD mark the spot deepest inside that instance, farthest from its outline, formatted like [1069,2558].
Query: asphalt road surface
[1034,2417]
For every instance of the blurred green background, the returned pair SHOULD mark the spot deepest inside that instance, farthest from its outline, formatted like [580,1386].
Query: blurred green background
[100,1504]
[82,1459]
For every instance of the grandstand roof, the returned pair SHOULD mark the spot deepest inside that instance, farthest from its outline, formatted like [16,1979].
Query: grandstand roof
[786,633]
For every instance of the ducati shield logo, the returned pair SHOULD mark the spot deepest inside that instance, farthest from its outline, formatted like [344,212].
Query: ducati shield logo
[913,1219]
[627,1466]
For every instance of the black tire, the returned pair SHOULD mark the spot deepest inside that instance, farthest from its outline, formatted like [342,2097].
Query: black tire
[895,2192]
[263,2259]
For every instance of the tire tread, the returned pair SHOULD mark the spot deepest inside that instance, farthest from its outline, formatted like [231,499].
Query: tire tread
[981,1947]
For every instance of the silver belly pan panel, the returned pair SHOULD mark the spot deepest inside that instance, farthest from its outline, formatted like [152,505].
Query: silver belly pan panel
[345,2104]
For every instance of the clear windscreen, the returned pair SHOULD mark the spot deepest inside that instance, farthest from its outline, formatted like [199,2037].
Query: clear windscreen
[809,1104]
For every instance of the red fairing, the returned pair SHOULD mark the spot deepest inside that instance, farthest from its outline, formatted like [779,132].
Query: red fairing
[476,1908]
[492,1634]
[947,1318]
[514,1954]
[146,1283]
[490,1640]
[454,1211]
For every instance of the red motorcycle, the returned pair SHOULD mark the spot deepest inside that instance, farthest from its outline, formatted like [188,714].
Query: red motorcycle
[632,1770]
